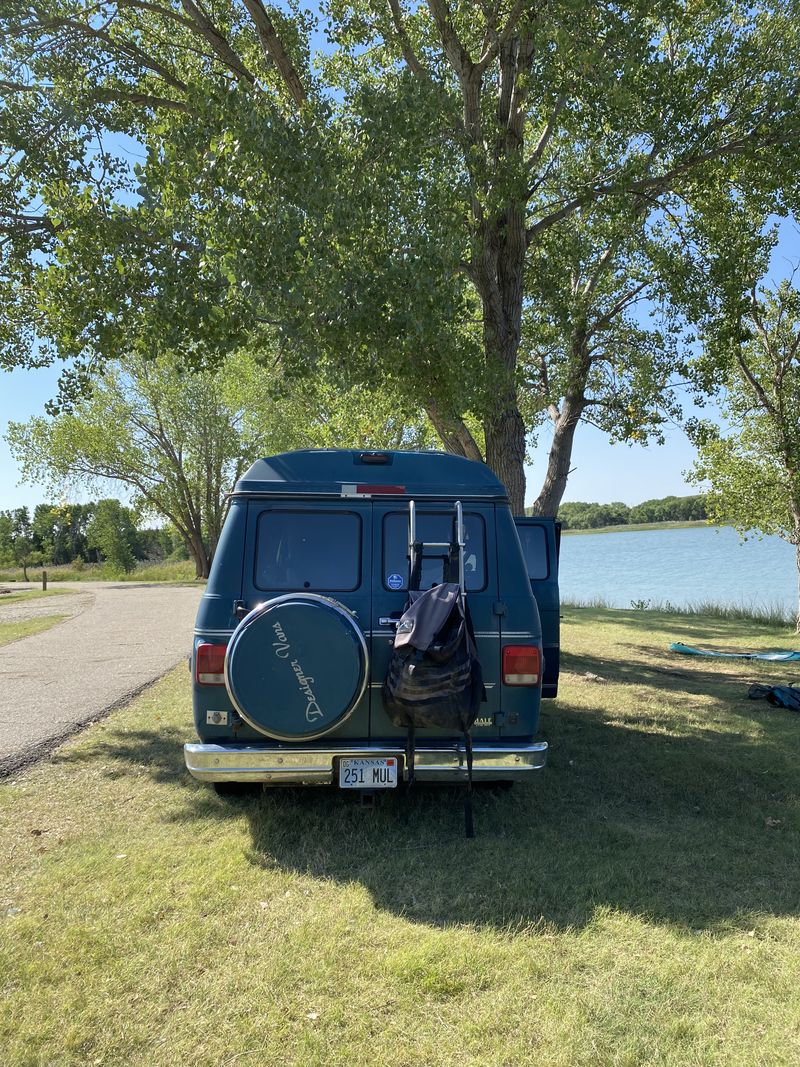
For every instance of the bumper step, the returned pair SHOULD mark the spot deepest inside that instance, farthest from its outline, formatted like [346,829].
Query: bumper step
[314,765]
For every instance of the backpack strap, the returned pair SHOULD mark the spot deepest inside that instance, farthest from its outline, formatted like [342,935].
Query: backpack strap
[410,749]
[469,825]
[415,574]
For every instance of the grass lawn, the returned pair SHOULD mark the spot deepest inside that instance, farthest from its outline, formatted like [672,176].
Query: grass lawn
[180,571]
[30,594]
[634,526]
[13,631]
[639,903]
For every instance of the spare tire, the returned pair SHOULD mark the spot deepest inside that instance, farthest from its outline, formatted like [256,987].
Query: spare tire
[296,667]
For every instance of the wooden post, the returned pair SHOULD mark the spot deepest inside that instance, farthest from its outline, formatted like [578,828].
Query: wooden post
[44,579]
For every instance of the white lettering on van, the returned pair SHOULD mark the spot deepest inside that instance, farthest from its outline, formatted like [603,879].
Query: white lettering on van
[313,710]
[281,646]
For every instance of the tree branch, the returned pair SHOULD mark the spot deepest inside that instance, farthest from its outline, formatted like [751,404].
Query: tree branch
[602,265]
[493,49]
[620,305]
[660,182]
[166,12]
[453,431]
[26,224]
[459,58]
[409,55]
[547,133]
[128,48]
[142,100]
[201,24]
[273,48]
[752,380]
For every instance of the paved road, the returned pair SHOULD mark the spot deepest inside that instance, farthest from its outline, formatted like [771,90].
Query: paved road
[123,637]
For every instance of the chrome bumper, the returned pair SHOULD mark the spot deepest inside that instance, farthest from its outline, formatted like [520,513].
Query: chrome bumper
[314,764]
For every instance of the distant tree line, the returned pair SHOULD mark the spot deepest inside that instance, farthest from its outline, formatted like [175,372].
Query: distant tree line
[583,516]
[103,531]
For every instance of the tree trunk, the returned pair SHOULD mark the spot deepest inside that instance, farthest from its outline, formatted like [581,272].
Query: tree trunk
[454,433]
[566,422]
[197,550]
[559,459]
[505,451]
[499,281]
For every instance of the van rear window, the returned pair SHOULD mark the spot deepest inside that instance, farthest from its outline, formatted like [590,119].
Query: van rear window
[534,548]
[319,550]
[433,526]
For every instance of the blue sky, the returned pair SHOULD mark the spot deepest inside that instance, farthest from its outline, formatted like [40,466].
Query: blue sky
[602,472]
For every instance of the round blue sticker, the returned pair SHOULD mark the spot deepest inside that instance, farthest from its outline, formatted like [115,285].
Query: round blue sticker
[395,581]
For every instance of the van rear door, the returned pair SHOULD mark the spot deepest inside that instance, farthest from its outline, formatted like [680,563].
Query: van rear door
[316,547]
[539,538]
[390,592]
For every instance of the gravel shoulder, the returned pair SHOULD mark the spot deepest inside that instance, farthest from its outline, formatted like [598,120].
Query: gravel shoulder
[119,639]
[69,604]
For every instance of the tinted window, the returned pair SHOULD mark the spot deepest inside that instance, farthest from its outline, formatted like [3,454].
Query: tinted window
[433,526]
[534,548]
[298,550]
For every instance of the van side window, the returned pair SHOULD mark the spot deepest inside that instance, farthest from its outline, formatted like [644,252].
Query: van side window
[433,526]
[534,548]
[318,550]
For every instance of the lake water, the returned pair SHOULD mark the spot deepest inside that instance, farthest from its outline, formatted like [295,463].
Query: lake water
[681,566]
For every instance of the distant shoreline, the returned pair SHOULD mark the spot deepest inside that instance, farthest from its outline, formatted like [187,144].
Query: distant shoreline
[631,526]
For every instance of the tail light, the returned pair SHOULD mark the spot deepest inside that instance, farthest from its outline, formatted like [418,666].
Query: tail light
[521,665]
[210,664]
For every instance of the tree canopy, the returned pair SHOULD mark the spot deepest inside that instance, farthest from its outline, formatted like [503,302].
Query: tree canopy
[579,515]
[112,531]
[60,533]
[458,203]
[178,440]
[754,469]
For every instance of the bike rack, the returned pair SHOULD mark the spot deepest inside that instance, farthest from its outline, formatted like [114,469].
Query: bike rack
[415,546]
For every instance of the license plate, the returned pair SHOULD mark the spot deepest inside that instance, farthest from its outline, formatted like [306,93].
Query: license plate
[371,772]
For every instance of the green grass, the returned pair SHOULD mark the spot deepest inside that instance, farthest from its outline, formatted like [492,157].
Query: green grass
[631,526]
[180,571]
[763,614]
[13,631]
[638,903]
[30,594]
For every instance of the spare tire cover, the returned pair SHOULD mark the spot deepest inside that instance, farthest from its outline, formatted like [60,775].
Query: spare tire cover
[296,667]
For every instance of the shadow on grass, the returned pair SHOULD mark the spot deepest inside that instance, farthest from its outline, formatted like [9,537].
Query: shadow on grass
[698,831]
[691,831]
[727,681]
[125,751]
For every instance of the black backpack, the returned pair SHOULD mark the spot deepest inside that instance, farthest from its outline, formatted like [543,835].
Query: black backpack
[434,677]
[780,696]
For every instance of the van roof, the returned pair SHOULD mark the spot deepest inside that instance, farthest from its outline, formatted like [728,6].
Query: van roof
[356,472]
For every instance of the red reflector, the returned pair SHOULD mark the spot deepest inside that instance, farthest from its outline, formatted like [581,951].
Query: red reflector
[396,489]
[210,664]
[521,665]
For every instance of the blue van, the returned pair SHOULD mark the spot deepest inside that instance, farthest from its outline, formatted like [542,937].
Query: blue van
[297,623]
